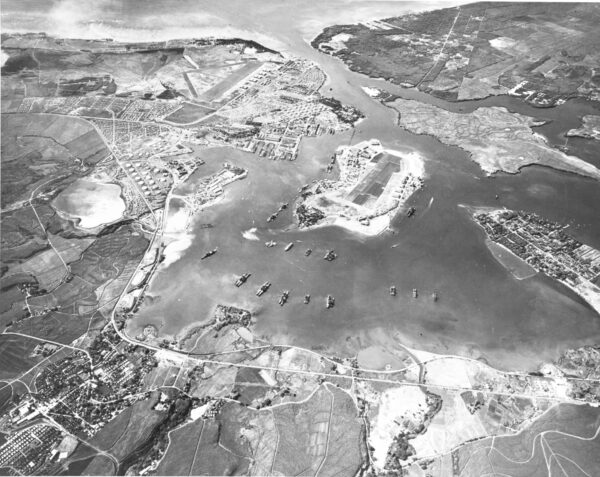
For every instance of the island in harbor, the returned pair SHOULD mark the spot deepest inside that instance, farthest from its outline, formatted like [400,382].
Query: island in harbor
[374,184]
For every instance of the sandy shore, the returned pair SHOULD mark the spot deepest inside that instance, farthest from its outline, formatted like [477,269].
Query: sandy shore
[392,199]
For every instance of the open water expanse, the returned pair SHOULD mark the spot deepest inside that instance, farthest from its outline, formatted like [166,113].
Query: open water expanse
[482,309]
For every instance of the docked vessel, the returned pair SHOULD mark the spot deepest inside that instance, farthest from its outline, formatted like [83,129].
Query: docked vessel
[209,254]
[415,293]
[308,251]
[242,279]
[289,246]
[330,302]
[330,255]
[306,299]
[284,297]
[270,244]
[263,288]
[393,290]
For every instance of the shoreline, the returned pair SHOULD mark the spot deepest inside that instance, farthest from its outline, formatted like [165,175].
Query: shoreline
[585,290]
[357,164]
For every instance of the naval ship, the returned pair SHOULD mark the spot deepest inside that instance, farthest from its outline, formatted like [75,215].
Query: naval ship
[263,288]
[241,280]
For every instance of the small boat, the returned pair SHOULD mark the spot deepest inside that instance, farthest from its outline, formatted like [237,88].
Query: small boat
[308,251]
[393,290]
[283,206]
[330,255]
[306,299]
[209,254]
[272,217]
[242,279]
[289,246]
[434,296]
[330,302]
[263,288]
[415,293]
[410,212]
[284,297]
[270,244]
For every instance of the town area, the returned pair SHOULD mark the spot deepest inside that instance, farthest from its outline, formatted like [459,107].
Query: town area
[547,248]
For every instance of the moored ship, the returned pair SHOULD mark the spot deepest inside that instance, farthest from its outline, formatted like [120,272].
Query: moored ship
[330,255]
[284,297]
[210,253]
[242,279]
[263,288]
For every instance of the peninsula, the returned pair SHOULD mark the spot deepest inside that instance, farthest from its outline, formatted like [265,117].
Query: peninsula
[590,128]
[547,248]
[496,139]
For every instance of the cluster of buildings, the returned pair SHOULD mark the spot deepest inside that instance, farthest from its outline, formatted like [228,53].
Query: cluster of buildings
[101,106]
[80,392]
[547,248]
[543,244]
[74,395]
[275,107]
[44,349]
[211,187]
[26,451]
[373,183]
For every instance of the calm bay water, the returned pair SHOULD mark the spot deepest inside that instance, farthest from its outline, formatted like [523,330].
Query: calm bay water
[482,310]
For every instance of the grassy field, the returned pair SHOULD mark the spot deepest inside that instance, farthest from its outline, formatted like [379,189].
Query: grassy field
[14,355]
[216,92]
[47,146]
[100,465]
[477,50]
[321,435]
[250,385]
[561,437]
[209,447]
[110,257]
[124,434]
[188,113]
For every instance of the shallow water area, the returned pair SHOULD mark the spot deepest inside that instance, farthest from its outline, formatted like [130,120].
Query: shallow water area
[92,203]
[482,310]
